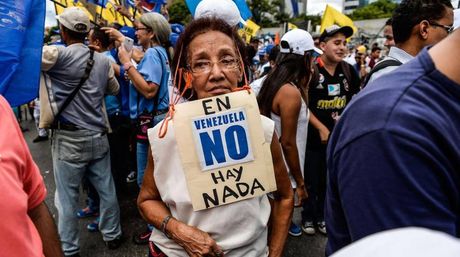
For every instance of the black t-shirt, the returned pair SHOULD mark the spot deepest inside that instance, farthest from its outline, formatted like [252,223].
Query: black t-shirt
[329,97]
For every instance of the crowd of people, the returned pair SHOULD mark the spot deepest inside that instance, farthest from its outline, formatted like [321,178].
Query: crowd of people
[363,138]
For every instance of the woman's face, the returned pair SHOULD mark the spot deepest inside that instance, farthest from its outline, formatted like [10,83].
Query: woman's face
[214,64]
[143,34]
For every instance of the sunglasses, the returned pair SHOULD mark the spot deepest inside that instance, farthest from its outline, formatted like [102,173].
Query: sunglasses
[449,29]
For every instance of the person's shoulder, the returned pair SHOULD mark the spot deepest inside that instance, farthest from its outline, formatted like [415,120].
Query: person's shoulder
[289,92]
[390,102]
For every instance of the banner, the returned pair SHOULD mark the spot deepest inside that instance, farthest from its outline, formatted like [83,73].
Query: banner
[232,160]
[332,16]
[249,30]
[295,7]
[102,3]
[22,27]
[96,13]
[291,26]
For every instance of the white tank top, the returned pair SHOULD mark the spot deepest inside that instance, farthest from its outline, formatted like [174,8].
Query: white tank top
[301,137]
[239,228]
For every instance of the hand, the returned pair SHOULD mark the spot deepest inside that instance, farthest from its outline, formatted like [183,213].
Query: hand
[194,241]
[123,55]
[301,193]
[122,10]
[114,34]
[324,135]
[94,48]
[137,55]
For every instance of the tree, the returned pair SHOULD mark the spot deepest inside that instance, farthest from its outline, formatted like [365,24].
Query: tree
[267,13]
[378,9]
[179,13]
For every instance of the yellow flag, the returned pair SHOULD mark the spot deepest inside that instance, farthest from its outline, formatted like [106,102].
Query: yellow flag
[332,16]
[291,26]
[249,30]
[95,12]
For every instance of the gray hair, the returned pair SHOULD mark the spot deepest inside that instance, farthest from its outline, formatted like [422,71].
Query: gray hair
[158,24]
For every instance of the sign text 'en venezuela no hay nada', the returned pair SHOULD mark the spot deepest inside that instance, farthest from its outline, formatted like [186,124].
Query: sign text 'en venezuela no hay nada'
[224,152]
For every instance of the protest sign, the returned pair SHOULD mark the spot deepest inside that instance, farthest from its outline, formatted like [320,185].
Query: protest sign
[224,153]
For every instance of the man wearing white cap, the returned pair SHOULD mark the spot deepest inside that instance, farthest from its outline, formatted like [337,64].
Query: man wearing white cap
[328,96]
[80,147]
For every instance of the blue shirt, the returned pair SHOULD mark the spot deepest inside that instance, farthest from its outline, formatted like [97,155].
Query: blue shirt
[154,67]
[123,95]
[394,157]
[112,103]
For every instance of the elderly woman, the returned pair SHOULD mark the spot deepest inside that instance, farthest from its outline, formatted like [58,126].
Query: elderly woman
[148,92]
[209,50]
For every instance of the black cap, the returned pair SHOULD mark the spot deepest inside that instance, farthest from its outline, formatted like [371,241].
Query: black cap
[334,29]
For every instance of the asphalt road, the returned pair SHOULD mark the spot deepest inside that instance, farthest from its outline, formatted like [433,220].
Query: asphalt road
[92,244]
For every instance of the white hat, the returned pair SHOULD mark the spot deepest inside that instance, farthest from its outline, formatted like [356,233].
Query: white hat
[298,41]
[222,9]
[74,19]
[403,242]
[456,18]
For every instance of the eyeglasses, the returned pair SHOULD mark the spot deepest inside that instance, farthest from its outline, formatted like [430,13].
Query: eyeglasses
[204,66]
[449,29]
[136,29]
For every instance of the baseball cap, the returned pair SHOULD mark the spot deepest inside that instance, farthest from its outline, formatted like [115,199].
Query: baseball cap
[269,48]
[128,31]
[334,29]
[361,49]
[177,28]
[75,19]
[298,41]
[262,51]
[173,37]
[222,9]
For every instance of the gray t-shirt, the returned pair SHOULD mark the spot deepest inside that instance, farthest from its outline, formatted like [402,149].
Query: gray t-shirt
[65,67]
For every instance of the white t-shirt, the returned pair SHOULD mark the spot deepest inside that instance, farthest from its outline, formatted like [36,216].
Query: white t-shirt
[239,228]
[301,137]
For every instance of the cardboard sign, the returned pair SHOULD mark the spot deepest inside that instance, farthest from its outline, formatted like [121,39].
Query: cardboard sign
[223,150]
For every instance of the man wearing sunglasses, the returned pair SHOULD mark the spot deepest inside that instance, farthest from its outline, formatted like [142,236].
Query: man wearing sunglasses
[416,24]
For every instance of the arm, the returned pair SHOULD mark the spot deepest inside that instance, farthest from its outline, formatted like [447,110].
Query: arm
[387,181]
[147,89]
[116,69]
[44,223]
[49,57]
[112,83]
[323,130]
[283,204]
[289,112]
[154,211]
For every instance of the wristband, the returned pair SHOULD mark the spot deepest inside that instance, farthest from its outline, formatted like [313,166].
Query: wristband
[127,66]
[164,224]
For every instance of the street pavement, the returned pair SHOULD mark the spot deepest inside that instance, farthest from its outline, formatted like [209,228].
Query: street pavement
[92,244]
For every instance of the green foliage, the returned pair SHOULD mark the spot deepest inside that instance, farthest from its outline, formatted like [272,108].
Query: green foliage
[260,10]
[179,13]
[378,9]
[303,19]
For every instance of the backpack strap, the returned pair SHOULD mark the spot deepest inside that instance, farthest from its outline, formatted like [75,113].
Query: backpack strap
[380,66]
[346,71]
[89,67]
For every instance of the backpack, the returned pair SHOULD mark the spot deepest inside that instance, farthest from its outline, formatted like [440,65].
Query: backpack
[380,66]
